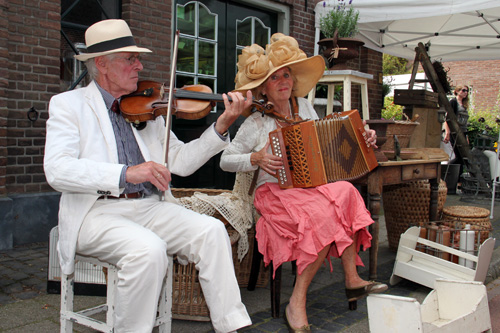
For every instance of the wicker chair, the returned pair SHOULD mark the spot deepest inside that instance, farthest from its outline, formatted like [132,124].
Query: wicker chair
[188,299]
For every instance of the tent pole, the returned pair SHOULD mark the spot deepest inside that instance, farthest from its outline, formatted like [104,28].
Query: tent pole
[494,172]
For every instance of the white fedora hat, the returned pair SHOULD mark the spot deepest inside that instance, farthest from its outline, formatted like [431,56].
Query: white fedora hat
[109,36]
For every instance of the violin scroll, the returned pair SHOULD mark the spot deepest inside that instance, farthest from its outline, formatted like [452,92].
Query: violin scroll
[262,107]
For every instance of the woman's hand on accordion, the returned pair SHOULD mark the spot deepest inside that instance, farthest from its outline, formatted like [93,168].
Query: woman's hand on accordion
[371,136]
[267,162]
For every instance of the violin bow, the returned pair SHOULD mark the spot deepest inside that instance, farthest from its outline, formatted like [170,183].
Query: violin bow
[168,119]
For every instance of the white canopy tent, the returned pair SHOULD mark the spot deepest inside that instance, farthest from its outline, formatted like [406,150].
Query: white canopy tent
[452,29]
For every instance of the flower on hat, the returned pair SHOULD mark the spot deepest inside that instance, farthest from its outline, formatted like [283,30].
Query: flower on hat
[256,65]
[283,49]
[252,65]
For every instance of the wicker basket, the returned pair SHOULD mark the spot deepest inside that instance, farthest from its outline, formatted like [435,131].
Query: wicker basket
[243,268]
[478,218]
[188,301]
[403,129]
[407,205]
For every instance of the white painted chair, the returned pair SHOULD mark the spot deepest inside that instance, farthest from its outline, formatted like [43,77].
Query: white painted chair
[424,268]
[83,317]
[454,306]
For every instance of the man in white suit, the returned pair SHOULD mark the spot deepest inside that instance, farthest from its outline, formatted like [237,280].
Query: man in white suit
[110,174]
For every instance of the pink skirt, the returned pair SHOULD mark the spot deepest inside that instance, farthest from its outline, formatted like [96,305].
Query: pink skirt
[296,224]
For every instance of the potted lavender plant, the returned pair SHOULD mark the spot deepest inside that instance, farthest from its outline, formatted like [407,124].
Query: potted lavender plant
[339,25]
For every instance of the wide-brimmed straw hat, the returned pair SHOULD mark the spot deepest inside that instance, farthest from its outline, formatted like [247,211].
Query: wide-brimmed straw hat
[256,65]
[109,36]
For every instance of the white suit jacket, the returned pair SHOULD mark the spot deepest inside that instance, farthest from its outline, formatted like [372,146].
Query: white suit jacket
[81,158]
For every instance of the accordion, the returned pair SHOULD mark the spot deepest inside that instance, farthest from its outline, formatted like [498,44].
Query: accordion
[317,152]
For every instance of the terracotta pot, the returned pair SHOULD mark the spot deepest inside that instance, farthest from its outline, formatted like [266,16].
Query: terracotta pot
[348,48]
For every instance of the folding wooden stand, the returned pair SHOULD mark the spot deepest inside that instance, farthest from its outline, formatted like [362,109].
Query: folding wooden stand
[347,78]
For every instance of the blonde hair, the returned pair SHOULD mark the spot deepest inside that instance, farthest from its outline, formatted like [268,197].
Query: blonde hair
[465,101]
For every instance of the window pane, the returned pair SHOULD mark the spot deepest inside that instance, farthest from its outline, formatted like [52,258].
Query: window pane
[185,61]
[183,80]
[83,12]
[207,24]
[261,33]
[244,32]
[75,16]
[207,82]
[206,59]
[186,19]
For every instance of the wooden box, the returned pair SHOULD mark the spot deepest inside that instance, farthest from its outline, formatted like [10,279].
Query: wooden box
[416,98]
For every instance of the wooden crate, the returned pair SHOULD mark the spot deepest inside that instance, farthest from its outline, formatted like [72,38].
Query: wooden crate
[416,97]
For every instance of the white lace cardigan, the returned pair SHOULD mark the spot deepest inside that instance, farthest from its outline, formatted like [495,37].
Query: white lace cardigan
[252,137]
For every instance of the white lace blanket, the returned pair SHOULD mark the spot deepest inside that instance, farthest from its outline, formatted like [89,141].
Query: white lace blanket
[236,207]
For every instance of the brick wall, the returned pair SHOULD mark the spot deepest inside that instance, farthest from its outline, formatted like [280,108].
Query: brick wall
[302,24]
[33,43]
[371,63]
[151,25]
[4,80]
[483,76]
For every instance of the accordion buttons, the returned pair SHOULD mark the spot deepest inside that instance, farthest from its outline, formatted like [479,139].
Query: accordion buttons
[275,145]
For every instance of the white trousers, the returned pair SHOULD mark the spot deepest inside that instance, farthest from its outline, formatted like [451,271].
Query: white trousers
[136,235]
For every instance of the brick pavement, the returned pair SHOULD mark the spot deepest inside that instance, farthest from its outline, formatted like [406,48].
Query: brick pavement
[25,305]
[23,272]
[23,277]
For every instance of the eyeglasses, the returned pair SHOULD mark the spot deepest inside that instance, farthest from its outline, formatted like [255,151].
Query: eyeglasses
[465,90]
[131,60]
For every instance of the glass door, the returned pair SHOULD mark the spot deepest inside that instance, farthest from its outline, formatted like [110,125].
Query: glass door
[212,34]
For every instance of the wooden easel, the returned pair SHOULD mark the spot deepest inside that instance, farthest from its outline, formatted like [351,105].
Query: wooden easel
[421,57]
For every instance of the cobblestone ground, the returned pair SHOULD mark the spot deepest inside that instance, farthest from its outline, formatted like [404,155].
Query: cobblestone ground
[23,272]
[327,308]
[23,275]
[23,287]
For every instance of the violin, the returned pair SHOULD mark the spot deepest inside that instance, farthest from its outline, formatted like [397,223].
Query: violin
[191,102]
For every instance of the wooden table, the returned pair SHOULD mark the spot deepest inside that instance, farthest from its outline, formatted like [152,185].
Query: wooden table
[391,173]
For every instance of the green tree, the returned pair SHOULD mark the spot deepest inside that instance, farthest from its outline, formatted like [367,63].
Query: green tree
[393,65]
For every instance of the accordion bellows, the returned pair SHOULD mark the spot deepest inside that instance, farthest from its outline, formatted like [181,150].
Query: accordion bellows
[322,151]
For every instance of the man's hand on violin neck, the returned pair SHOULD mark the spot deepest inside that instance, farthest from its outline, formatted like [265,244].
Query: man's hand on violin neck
[152,172]
[233,109]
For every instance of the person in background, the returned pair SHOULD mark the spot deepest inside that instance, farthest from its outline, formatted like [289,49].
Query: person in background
[459,104]
[302,224]
[110,175]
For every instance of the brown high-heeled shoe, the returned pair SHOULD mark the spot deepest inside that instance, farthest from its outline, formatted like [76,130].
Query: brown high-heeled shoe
[354,294]
[358,293]
[291,329]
